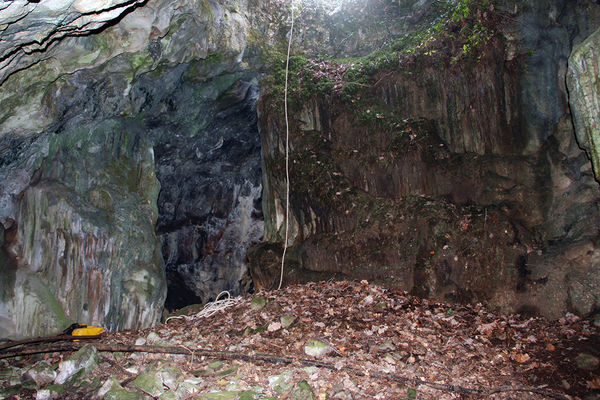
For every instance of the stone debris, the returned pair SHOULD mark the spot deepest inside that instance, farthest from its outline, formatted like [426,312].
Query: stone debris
[83,360]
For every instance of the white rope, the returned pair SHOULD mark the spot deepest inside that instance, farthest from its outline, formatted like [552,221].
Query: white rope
[287,151]
[213,307]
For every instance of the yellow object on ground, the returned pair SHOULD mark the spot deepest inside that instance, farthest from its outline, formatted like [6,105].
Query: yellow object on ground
[87,331]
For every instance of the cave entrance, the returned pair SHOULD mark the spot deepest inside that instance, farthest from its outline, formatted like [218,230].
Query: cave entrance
[208,162]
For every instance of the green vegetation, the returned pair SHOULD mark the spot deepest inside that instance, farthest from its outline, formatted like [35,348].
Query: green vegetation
[305,81]
[458,34]
[457,37]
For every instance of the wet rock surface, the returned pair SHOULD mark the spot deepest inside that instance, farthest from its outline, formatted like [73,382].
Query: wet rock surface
[582,81]
[85,134]
[29,28]
[209,203]
[81,245]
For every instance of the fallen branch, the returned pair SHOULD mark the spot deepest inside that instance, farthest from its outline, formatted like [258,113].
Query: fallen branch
[271,358]
[45,339]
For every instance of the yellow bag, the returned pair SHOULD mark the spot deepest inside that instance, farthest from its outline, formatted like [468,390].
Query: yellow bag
[87,331]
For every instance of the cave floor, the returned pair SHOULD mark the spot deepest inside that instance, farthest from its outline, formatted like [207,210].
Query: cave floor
[382,345]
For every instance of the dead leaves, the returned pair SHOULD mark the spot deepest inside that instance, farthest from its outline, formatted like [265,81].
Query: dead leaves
[487,329]
[274,326]
[521,357]
[380,331]
[594,383]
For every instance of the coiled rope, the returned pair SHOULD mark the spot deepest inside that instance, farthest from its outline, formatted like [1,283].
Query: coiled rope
[213,307]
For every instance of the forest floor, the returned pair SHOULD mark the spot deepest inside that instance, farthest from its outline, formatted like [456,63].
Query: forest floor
[335,340]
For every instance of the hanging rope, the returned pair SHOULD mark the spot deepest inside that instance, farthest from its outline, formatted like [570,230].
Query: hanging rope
[287,151]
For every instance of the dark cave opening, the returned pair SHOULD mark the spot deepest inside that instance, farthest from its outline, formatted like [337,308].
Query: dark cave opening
[210,200]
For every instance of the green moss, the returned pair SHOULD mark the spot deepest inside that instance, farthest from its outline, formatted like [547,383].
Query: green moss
[458,35]
[141,61]
[276,79]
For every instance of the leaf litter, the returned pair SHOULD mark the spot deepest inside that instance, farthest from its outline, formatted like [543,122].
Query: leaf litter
[381,344]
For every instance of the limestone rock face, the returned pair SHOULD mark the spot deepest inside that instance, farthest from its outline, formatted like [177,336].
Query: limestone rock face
[82,245]
[209,164]
[28,29]
[87,131]
[458,180]
[583,80]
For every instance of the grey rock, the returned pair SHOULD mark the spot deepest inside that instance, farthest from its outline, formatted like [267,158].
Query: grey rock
[100,100]
[42,374]
[584,97]
[50,392]
[493,155]
[150,384]
[210,177]
[169,395]
[153,338]
[287,320]
[159,108]
[281,383]
[258,303]
[118,393]
[170,376]
[316,348]
[11,375]
[112,390]
[186,388]
[83,360]
[30,28]
[71,214]
[303,391]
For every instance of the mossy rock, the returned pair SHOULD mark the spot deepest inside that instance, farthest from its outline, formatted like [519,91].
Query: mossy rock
[258,303]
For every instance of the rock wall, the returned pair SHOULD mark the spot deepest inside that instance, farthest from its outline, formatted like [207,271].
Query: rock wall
[209,205]
[90,124]
[449,171]
[452,173]
[82,245]
[29,28]
[340,28]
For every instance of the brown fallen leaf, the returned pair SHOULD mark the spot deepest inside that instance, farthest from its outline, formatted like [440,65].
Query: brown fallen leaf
[550,347]
[522,357]
[487,329]
[594,383]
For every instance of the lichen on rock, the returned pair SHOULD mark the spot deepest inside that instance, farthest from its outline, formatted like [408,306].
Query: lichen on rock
[583,81]
[82,241]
